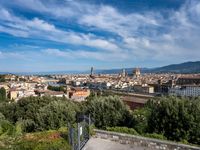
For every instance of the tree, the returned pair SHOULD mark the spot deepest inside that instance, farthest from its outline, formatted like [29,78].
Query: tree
[2,94]
[171,117]
[107,111]
[140,120]
[56,114]
[194,132]
[56,88]
[40,113]
[2,78]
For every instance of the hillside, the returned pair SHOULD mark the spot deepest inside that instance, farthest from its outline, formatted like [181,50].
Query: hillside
[186,67]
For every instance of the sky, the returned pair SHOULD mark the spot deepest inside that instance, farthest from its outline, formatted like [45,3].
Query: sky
[63,35]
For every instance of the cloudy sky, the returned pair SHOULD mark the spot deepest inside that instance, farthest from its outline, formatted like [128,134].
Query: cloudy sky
[60,35]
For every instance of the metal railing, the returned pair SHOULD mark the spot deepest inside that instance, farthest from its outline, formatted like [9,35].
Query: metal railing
[80,133]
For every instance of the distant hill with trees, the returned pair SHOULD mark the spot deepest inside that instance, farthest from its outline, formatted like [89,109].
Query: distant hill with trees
[186,67]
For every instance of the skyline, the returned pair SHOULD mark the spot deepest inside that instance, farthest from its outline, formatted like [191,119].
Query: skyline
[75,35]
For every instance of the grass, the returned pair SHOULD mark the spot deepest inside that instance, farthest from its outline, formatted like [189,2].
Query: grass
[46,140]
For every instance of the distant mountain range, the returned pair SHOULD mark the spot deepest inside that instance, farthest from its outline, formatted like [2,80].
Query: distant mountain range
[186,67]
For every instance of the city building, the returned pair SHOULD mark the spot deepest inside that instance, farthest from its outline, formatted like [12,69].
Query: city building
[188,80]
[91,71]
[185,90]
[123,73]
[143,89]
[78,94]
[13,94]
[136,73]
[51,93]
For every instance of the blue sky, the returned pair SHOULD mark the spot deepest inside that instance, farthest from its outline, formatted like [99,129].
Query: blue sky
[61,35]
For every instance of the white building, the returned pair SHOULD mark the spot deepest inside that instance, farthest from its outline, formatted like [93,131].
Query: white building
[187,90]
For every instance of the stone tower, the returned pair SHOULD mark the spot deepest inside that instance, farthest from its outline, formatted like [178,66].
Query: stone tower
[136,73]
[91,72]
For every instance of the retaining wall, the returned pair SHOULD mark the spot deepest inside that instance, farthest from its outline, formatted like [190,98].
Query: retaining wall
[153,144]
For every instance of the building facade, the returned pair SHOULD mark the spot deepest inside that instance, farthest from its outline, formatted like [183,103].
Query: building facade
[188,90]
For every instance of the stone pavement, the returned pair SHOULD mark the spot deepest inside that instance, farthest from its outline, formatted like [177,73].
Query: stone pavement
[105,144]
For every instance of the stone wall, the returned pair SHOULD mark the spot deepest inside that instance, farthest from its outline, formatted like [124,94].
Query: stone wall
[153,144]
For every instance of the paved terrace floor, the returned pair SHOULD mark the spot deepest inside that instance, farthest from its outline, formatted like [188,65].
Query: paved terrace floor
[104,144]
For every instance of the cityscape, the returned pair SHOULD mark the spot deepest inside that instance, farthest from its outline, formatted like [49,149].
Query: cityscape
[78,87]
[99,75]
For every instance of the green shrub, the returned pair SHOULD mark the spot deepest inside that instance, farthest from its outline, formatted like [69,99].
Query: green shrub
[91,130]
[18,128]
[48,140]
[176,117]
[56,114]
[39,113]
[2,117]
[184,142]
[140,119]
[28,125]
[6,128]
[37,145]
[155,136]
[122,130]
[107,111]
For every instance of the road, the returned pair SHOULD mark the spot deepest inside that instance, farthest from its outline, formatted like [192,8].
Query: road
[104,144]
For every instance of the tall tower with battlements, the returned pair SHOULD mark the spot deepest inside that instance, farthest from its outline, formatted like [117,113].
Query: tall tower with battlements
[91,72]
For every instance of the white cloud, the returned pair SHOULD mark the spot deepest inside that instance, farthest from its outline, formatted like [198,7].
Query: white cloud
[147,35]
[14,32]
[82,54]
[41,25]
[13,55]
[59,9]
[109,19]
[38,28]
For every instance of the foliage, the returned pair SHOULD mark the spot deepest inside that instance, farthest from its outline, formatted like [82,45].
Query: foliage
[172,118]
[18,128]
[6,128]
[27,125]
[194,131]
[140,119]
[48,140]
[107,111]
[155,136]
[25,108]
[175,118]
[56,88]
[56,114]
[2,78]
[2,94]
[40,113]
[91,130]
[2,117]
[123,130]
